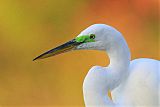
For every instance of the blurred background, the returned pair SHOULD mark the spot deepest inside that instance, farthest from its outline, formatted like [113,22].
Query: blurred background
[30,27]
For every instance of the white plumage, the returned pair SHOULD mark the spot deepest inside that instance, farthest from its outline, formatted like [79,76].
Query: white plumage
[133,83]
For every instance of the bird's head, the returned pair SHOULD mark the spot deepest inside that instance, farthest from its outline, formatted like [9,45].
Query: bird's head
[95,37]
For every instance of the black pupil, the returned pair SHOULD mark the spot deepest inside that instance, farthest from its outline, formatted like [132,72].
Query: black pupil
[92,36]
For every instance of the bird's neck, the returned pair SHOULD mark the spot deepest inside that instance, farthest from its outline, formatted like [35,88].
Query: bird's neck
[119,55]
[95,93]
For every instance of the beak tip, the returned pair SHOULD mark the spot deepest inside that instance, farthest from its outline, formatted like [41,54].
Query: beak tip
[36,58]
[33,59]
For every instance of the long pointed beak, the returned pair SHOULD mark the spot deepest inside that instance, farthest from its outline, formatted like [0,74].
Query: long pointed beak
[68,46]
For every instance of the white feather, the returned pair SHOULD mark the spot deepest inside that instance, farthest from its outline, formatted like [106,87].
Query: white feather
[133,83]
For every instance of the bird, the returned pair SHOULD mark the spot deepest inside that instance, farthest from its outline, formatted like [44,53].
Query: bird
[133,83]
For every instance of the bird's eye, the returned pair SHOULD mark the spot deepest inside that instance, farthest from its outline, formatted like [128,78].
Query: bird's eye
[92,36]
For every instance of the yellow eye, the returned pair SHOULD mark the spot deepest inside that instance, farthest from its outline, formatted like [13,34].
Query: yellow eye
[92,36]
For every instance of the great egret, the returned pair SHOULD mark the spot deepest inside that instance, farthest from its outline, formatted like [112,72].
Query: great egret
[133,83]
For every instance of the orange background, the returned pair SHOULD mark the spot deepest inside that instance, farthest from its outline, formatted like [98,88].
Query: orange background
[30,27]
